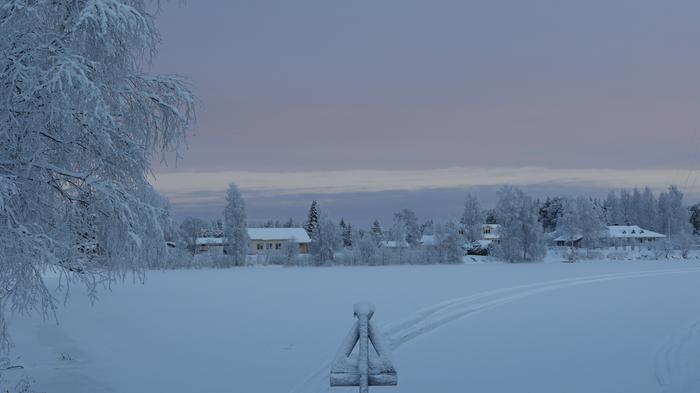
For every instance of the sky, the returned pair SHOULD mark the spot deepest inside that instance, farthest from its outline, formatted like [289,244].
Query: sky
[366,105]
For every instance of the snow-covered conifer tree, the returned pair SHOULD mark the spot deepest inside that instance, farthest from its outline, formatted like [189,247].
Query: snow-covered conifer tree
[521,234]
[235,230]
[347,236]
[549,213]
[376,232]
[312,220]
[695,218]
[326,241]
[472,218]
[490,217]
[80,122]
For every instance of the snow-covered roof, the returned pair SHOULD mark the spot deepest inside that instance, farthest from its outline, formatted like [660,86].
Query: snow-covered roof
[298,234]
[427,240]
[393,244]
[209,240]
[566,238]
[631,231]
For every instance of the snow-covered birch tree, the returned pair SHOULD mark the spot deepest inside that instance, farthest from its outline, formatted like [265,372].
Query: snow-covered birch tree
[449,243]
[521,237]
[472,218]
[408,219]
[235,229]
[581,219]
[80,122]
[326,241]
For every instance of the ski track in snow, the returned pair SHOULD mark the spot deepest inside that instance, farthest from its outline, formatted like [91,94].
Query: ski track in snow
[677,361]
[433,317]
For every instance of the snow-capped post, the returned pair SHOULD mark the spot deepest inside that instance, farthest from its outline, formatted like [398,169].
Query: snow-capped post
[368,368]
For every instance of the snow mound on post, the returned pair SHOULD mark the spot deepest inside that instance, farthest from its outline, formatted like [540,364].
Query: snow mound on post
[364,308]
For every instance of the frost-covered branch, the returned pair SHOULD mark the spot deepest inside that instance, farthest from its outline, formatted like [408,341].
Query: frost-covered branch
[80,122]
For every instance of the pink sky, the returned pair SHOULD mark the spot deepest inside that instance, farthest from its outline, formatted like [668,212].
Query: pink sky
[411,85]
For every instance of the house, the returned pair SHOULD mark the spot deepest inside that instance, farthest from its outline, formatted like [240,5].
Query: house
[427,240]
[490,232]
[489,236]
[626,235]
[209,244]
[568,241]
[616,235]
[393,244]
[262,240]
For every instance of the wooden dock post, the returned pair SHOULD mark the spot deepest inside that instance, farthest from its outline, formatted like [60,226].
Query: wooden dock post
[366,368]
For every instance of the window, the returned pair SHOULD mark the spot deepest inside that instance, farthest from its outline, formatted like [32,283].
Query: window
[269,246]
[260,246]
[278,246]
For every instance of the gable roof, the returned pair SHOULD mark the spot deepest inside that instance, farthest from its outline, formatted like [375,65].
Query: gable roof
[631,231]
[566,238]
[298,234]
[209,240]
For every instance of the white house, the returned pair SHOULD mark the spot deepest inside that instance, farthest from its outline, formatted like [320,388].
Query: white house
[262,240]
[393,244]
[491,232]
[616,235]
[623,235]
[427,240]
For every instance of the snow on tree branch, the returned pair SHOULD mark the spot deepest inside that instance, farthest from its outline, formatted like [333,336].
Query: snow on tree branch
[80,122]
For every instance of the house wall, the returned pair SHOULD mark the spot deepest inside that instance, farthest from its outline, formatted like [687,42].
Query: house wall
[629,241]
[255,247]
[213,249]
[264,246]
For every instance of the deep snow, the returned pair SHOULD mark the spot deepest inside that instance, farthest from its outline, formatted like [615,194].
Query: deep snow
[546,327]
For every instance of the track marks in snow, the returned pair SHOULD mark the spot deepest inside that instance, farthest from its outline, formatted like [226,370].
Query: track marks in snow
[431,318]
[677,361]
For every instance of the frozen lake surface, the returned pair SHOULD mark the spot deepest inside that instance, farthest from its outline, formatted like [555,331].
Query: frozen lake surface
[623,326]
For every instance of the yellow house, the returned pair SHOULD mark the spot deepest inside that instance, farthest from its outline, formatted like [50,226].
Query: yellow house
[263,240]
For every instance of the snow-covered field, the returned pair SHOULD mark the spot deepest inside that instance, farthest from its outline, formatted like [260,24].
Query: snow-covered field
[623,326]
